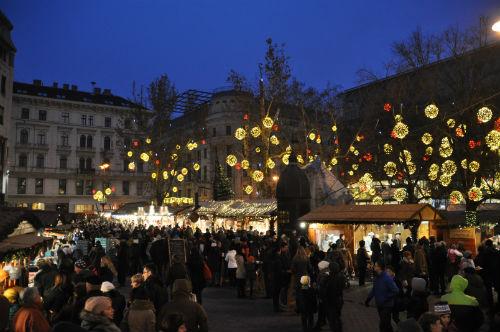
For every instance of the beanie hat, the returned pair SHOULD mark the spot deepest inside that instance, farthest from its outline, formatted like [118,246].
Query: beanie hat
[304,280]
[97,304]
[81,264]
[418,284]
[11,294]
[93,280]
[442,308]
[107,286]
[323,265]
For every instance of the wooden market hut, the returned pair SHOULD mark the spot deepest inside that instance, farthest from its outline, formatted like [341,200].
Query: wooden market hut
[356,222]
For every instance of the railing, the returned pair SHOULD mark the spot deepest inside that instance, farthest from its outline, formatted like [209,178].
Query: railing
[41,170]
[85,149]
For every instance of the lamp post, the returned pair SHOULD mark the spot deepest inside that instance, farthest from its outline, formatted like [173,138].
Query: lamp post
[496,26]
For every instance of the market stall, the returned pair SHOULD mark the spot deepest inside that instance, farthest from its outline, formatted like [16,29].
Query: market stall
[258,215]
[364,222]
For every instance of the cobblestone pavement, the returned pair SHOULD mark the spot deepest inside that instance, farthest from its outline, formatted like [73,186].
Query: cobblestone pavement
[227,313]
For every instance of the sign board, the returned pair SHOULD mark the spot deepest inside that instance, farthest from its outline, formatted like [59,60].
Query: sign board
[177,247]
[464,233]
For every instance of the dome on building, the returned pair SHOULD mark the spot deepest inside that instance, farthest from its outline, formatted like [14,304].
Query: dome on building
[293,182]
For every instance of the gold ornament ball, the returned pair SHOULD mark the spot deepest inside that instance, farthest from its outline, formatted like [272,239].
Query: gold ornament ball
[474,166]
[180,177]
[400,194]
[387,148]
[334,128]
[165,175]
[255,132]
[131,166]
[108,191]
[431,111]
[130,154]
[451,123]
[258,176]
[267,122]
[196,166]
[427,138]
[245,164]
[144,157]
[334,161]
[493,140]
[401,130]
[184,171]
[456,197]
[484,114]
[240,134]
[475,194]
[270,163]
[390,169]
[248,189]
[274,140]
[231,160]
[154,175]
[312,136]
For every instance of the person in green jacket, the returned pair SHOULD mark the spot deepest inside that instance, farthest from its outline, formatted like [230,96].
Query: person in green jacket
[465,312]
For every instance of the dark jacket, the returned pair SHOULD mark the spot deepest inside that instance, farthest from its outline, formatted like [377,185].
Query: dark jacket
[476,288]
[417,305]
[193,314]
[195,268]
[141,316]
[176,271]
[98,323]
[44,279]
[384,290]
[306,301]
[106,274]
[156,292]
[335,288]
[55,298]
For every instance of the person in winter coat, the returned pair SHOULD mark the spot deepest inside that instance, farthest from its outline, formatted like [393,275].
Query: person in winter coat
[307,304]
[195,269]
[97,315]
[214,260]
[231,266]
[421,268]
[157,253]
[362,260]
[241,275]
[154,287]
[56,297]
[466,262]
[335,297]
[182,304]
[465,312]
[407,270]
[251,273]
[141,315]
[177,270]
[277,276]
[438,261]
[107,271]
[475,286]
[122,259]
[44,279]
[376,250]
[118,301]
[430,322]
[30,317]
[384,291]
[81,272]
[417,304]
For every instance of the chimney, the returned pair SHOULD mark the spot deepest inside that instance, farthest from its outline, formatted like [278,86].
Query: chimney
[37,82]
[54,85]
[66,86]
[74,87]
[106,92]
[97,91]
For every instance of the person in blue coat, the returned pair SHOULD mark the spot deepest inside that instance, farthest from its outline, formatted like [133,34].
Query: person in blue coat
[384,291]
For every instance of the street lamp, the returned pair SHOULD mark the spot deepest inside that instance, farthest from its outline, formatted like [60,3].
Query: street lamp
[496,26]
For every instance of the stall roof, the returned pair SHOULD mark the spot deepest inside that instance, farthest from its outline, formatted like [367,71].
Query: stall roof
[21,242]
[372,214]
[238,208]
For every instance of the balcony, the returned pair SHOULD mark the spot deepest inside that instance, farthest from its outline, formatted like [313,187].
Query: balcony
[41,146]
[20,145]
[64,148]
[44,170]
[85,149]
[89,171]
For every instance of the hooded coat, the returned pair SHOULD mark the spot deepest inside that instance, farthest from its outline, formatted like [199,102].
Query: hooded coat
[141,316]
[30,319]
[465,312]
[193,314]
[97,323]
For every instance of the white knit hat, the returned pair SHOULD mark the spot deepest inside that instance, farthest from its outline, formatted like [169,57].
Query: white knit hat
[107,286]
[304,280]
[323,265]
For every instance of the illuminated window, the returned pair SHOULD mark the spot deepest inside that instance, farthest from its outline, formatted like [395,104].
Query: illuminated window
[38,206]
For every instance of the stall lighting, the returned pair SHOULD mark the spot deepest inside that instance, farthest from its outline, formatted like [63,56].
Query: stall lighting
[303,225]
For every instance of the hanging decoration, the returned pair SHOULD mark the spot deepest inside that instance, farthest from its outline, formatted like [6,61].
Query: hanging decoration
[431,111]
[484,114]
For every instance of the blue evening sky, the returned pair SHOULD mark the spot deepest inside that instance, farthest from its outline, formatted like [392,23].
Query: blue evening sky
[196,42]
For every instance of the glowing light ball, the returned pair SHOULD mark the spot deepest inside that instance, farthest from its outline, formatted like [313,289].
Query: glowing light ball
[475,194]
[464,164]
[184,171]
[427,138]
[245,164]
[165,175]
[148,140]
[431,111]
[130,154]
[377,200]
[257,149]
[334,128]
[231,160]
[387,148]
[270,163]
[484,114]
[400,130]
[300,159]
[429,150]
[448,167]
[180,177]
[400,194]
[456,197]
[387,107]
[312,136]
[144,157]
[355,167]
[257,176]
[174,189]
[451,123]
[434,168]
[390,169]
[108,191]
[255,132]
[445,180]
[493,140]
[154,175]
[412,168]
[474,166]
[248,189]
[178,147]
[398,118]
[196,166]
[131,166]
[432,176]
[445,149]
[274,140]
[267,122]
[318,140]
[334,161]
[240,134]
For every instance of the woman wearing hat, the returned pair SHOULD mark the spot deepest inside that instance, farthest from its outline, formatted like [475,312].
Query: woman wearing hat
[97,315]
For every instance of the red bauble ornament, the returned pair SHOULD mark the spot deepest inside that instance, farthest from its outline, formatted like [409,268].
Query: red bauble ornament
[472,144]
[157,162]
[478,143]
[135,143]
[246,116]
[93,191]
[237,166]
[367,156]
[336,141]
[393,134]
[387,107]
[203,142]
[113,189]
[276,127]
[497,124]
[308,151]
[342,173]
[459,132]
[426,157]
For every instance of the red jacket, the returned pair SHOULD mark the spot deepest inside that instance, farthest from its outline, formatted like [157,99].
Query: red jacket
[30,319]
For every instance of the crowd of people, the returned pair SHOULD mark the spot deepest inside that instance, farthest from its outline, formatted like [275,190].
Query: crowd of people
[84,288]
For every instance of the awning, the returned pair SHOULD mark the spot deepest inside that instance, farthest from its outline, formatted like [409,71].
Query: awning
[372,214]
[238,208]
[21,242]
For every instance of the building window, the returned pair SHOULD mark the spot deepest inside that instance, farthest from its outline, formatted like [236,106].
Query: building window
[40,161]
[107,143]
[38,206]
[88,164]
[41,138]
[24,136]
[89,186]
[21,185]
[3,87]
[63,162]
[25,114]
[79,187]
[214,132]
[228,130]
[81,163]
[127,124]
[64,140]
[107,122]
[83,120]
[205,175]
[62,186]
[91,120]
[23,160]
[84,208]
[126,187]
[65,117]
[89,141]
[39,186]
[139,188]
[42,115]
[83,141]
[2,110]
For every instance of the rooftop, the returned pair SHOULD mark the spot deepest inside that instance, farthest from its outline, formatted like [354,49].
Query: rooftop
[69,93]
